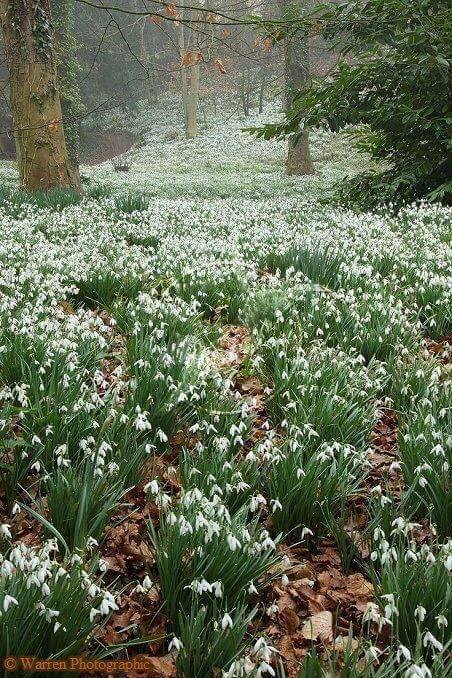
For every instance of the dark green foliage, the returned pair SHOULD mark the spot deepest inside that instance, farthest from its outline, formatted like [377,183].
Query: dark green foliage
[14,202]
[395,92]
[205,648]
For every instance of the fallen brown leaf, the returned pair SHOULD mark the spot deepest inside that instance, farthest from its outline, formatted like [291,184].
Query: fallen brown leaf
[319,627]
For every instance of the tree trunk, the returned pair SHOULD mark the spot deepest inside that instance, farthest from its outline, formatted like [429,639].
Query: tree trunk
[296,66]
[189,82]
[67,68]
[191,106]
[263,83]
[299,159]
[35,102]
[145,58]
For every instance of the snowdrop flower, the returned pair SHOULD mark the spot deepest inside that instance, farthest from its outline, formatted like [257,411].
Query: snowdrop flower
[152,487]
[429,639]
[263,669]
[272,610]
[8,601]
[306,531]
[420,612]
[175,644]
[441,620]
[91,543]
[233,542]
[418,671]
[403,653]
[5,531]
[226,622]
[161,435]
[93,614]
[252,589]
[372,653]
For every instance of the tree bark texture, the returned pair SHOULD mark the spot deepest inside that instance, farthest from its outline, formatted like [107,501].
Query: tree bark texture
[67,69]
[35,102]
[297,73]
[190,76]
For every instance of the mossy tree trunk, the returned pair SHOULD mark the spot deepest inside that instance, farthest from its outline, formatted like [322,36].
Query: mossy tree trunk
[297,74]
[35,102]
[67,69]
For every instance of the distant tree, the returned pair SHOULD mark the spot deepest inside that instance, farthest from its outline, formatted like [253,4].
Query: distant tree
[190,69]
[395,92]
[297,76]
[35,101]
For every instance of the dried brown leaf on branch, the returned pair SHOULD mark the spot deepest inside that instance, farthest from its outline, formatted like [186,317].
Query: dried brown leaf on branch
[220,65]
[186,59]
[155,19]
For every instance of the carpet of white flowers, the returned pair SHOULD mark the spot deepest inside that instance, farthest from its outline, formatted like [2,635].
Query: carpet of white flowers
[224,160]
[226,433]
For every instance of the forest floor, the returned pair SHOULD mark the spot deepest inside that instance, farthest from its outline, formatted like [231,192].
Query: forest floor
[228,405]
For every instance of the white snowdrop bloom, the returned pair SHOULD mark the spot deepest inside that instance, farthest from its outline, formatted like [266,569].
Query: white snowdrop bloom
[420,612]
[45,589]
[429,639]
[233,542]
[152,487]
[5,531]
[217,588]
[93,614]
[93,590]
[147,583]
[418,671]
[161,435]
[264,669]
[411,555]
[372,613]
[306,532]
[275,505]
[226,622]
[372,654]
[403,653]
[272,610]
[268,543]
[441,621]
[8,601]
[175,644]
